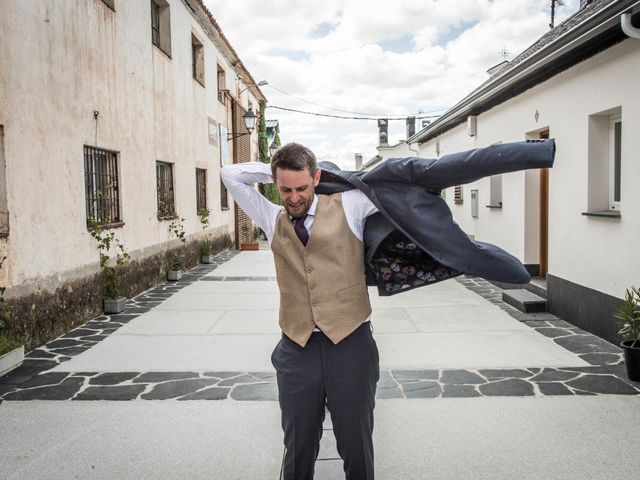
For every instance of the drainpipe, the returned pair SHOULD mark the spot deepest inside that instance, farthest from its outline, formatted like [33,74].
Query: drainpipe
[627,27]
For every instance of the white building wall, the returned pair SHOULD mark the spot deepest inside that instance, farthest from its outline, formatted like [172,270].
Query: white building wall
[598,253]
[76,58]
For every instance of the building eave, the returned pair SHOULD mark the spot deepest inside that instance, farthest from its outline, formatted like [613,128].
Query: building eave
[213,30]
[596,33]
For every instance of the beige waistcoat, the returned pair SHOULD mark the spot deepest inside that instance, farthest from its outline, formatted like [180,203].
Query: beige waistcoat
[322,284]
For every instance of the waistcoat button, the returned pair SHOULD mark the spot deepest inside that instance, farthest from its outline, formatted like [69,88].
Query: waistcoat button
[312,285]
[309,269]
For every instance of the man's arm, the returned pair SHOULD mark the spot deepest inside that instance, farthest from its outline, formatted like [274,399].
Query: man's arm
[240,179]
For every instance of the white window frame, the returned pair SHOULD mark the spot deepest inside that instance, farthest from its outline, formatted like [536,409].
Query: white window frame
[613,203]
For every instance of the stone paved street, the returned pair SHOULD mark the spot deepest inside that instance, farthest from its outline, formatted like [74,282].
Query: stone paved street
[469,388]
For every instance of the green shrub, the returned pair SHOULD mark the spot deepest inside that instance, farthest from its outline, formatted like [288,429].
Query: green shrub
[6,345]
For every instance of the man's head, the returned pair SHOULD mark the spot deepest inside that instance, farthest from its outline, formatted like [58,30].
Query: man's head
[295,173]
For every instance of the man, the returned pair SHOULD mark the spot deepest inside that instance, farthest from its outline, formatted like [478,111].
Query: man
[327,355]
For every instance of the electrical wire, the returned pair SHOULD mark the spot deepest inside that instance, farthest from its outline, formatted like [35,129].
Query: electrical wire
[342,117]
[348,111]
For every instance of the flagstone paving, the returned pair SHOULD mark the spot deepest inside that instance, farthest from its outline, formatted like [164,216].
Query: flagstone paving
[37,379]
[565,361]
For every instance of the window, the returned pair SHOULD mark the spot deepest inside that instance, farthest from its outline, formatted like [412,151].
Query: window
[102,192]
[615,161]
[197,60]
[222,84]
[224,198]
[161,25]
[201,189]
[164,182]
[605,163]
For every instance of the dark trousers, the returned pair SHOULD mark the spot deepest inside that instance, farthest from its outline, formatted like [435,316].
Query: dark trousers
[343,377]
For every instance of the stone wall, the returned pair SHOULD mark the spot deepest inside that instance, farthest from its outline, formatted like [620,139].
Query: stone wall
[41,316]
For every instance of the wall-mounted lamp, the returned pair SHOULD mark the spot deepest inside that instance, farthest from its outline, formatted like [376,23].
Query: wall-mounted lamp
[259,84]
[472,125]
[249,123]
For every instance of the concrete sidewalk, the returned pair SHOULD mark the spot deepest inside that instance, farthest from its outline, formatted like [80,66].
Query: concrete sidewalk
[469,388]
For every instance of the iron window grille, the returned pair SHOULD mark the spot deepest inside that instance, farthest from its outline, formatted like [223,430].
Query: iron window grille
[164,182]
[102,186]
[201,189]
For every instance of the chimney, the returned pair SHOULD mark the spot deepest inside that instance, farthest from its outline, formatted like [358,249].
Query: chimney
[358,161]
[383,132]
[411,126]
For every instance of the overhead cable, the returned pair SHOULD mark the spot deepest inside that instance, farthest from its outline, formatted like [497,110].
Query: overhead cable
[342,117]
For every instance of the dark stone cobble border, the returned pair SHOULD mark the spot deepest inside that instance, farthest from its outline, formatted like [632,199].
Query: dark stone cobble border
[31,381]
[85,336]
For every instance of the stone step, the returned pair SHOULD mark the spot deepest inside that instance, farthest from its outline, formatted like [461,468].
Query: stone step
[538,286]
[524,300]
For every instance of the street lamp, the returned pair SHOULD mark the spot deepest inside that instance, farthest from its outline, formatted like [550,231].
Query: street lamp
[259,84]
[249,123]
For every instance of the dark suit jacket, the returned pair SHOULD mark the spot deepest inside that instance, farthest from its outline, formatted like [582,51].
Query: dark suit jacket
[413,240]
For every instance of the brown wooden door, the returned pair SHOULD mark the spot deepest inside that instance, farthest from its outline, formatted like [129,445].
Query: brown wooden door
[544,215]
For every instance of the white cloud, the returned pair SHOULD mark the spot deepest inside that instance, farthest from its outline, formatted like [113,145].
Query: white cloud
[454,42]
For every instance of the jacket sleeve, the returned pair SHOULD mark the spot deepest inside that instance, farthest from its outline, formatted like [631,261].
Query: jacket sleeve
[465,167]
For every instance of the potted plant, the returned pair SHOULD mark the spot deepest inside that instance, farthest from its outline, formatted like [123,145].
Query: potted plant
[252,244]
[629,314]
[174,268]
[112,301]
[11,352]
[206,254]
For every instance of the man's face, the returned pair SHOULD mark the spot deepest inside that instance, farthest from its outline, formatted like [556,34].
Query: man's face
[296,189]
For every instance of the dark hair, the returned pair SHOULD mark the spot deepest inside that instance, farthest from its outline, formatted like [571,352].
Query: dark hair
[294,156]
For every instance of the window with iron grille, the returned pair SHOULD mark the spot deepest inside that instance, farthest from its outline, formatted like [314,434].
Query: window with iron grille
[457,195]
[101,186]
[201,189]
[224,198]
[164,182]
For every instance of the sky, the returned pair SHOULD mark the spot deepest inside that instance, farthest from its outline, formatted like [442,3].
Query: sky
[378,58]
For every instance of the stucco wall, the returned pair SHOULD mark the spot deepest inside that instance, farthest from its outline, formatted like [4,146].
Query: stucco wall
[63,60]
[598,253]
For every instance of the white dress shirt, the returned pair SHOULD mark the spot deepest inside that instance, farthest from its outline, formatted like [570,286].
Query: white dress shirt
[241,177]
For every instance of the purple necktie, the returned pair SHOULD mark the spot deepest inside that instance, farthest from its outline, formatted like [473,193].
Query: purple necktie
[301,230]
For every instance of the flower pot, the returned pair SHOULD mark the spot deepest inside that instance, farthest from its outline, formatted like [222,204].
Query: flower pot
[11,360]
[113,305]
[206,259]
[174,275]
[632,359]
[249,246]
